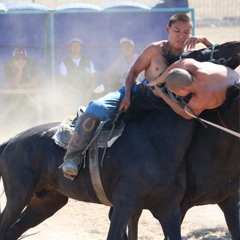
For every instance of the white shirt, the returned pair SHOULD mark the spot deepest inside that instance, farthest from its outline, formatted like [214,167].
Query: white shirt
[63,68]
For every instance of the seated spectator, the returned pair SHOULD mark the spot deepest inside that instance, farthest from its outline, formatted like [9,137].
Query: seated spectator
[115,77]
[21,71]
[78,76]
[21,78]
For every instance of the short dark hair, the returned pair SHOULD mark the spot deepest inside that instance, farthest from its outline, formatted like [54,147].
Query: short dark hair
[179,17]
[178,78]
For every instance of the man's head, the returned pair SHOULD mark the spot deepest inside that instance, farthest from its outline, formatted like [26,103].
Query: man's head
[75,47]
[178,80]
[19,54]
[179,30]
[180,17]
[127,47]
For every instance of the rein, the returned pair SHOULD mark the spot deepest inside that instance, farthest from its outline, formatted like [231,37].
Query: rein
[181,100]
[202,121]
[236,134]
[221,60]
[222,122]
[212,52]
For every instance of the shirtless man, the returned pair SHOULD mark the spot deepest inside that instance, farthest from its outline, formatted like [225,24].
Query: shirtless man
[156,57]
[153,60]
[208,83]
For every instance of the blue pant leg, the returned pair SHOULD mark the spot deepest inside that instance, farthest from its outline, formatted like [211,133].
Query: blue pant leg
[106,107]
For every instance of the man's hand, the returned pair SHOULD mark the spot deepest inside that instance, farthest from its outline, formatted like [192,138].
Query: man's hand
[124,104]
[158,92]
[154,82]
[19,64]
[191,43]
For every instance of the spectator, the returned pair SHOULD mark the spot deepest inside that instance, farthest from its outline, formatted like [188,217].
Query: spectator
[117,73]
[78,76]
[21,71]
[22,77]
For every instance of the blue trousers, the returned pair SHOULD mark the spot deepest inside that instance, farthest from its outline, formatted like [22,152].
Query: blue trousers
[106,107]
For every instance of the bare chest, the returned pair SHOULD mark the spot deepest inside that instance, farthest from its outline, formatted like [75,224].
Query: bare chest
[156,68]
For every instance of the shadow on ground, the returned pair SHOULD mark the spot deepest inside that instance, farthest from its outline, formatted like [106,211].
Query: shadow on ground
[209,234]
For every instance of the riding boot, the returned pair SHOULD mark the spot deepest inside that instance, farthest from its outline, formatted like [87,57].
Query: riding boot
[82,135]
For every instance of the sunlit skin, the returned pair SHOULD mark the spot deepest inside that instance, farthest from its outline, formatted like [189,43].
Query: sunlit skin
[151,59]
[179,36]
[209,86]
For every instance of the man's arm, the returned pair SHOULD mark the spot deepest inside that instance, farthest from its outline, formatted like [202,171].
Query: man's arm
[177,107]
[142,62]
[13,72]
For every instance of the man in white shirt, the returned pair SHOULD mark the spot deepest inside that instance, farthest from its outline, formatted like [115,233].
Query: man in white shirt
[78,75]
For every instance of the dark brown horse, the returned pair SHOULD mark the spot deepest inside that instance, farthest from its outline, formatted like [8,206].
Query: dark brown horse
[144,169]
[212,167]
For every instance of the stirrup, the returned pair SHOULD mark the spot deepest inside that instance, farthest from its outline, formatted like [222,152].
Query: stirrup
[68,175]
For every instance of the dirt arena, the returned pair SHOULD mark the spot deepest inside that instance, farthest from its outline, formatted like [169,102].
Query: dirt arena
[90,221]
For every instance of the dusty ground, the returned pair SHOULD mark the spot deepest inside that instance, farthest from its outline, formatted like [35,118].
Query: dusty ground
[89,221]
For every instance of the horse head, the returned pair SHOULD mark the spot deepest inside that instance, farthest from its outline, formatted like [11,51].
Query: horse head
[227,54]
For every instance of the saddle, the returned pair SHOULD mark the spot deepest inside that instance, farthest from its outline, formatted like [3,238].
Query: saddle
[106,134]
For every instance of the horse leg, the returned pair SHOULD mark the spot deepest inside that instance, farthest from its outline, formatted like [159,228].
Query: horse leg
[133,225]
[170,219]
[9,215]
[125,237]
[42,206]
[185,206]
[16,202]
[232,216]
[122,211]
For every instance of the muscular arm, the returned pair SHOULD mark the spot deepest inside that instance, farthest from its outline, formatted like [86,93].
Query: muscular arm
[142,63]
[177,107]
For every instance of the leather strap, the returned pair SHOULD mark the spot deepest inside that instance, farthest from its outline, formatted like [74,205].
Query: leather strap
[95,174]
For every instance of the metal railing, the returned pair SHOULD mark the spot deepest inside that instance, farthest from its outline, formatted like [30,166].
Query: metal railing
[221,10]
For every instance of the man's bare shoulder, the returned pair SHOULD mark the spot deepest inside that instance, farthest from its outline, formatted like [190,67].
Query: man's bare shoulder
[159,43]
[155,48]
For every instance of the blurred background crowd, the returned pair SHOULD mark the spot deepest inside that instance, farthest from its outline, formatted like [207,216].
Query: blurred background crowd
[71,52]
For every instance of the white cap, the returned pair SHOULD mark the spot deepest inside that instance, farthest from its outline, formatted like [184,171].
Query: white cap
[75,40]
[123,40]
